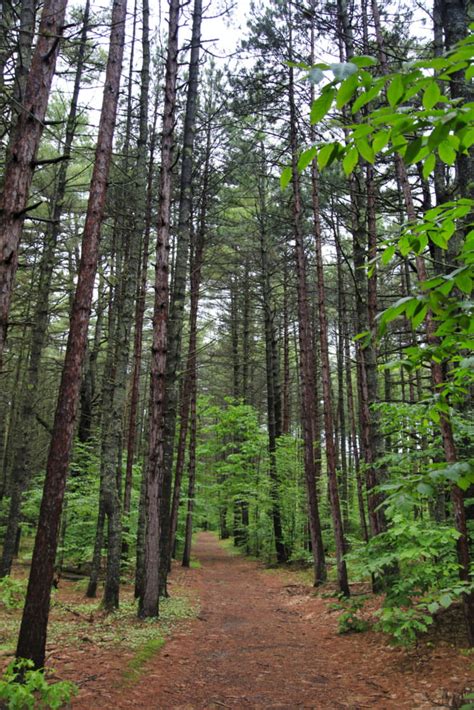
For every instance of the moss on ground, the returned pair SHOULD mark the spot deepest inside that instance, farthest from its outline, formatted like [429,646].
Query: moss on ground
[135,666]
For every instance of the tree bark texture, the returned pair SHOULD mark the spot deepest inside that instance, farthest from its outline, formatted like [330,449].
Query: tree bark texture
[23,149]
[32,638]
[176,317]
[306,354]
[22,455]
[155,464]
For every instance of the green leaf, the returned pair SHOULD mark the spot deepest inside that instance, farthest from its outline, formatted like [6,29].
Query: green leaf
[342,70]
[425,489]
[431,94]
[429,165]
[419,316]
[315,76]
[438,134]
[367,96]
[380,140]
[413,151]
[395,91]
[365,149]
[446,600]
[346,90]
[464,282]
[467,137]
[350,161]
[364,60]
[306,158]
[322,104]
[447,153]
[388,253]
[438,238]
[285,177]
[325,154]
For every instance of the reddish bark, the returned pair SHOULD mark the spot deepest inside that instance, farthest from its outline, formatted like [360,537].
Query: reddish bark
[155,464]
[22,151]
[32,639]
[306,355]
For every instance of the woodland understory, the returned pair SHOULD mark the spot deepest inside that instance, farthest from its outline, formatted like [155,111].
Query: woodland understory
[235,297]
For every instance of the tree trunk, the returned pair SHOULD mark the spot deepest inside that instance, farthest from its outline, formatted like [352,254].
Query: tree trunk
[190,377]
[143,183]
[176,318]
[22,455]
[155,464]
[191,474]
[306,354]
[22,153]
[327,396]
[32,638]
[272,375]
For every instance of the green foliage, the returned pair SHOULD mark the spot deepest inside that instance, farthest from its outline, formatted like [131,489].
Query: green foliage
[403,625]
[23,688]
[12,592]
[425,579]
[418,123]
[143,654]
[349,621]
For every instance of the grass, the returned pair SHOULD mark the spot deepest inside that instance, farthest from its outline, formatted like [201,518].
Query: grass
[144,653]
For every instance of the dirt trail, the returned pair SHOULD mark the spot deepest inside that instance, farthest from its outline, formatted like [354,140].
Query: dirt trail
[262,642]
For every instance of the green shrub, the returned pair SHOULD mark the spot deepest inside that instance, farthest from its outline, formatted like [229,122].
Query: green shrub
[12,592]
[23,688]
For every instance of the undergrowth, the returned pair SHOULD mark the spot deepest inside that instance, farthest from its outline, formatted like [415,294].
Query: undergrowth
[34,691]
[135,666]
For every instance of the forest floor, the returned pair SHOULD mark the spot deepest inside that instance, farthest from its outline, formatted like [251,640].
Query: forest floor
[261,639]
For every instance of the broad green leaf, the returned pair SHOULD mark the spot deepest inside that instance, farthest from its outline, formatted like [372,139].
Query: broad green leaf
[447,153]
[325,154]
[322,104]
[342,70]
[367,96]
[388,253]
[404,246]
[429,165]
[431,94]
[445,600]
[466,137]
[395,91]
[419,316]
[350,161]
[425,489]
[438,238]
[413,151]
[346,90]
[464,282]
[285,177]
[380,140]
[361,131]
[315,75]
[298,65]
[365,149]
[364,61]
[438,134]
[306,158]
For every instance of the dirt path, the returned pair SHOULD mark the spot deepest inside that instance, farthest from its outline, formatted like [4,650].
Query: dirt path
[261,642]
